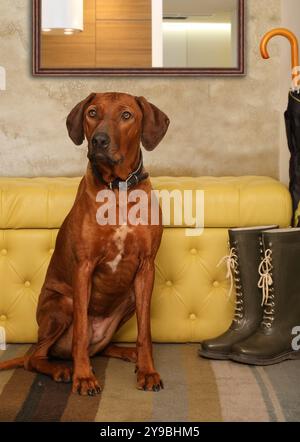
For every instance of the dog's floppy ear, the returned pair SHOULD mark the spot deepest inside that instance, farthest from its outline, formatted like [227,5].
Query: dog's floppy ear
[155,124]
[75,120]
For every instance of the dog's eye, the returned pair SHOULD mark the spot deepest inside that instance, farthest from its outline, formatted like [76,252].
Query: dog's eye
[126,115]
[92,113]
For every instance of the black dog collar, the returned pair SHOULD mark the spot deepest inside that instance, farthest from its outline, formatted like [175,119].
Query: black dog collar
[132,180]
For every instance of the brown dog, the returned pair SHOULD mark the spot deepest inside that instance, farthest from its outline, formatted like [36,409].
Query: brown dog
[99,275]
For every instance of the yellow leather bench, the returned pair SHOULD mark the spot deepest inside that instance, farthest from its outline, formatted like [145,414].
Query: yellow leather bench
[190,300]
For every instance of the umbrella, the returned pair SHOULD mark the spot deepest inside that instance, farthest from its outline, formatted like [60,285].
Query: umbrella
[292,117]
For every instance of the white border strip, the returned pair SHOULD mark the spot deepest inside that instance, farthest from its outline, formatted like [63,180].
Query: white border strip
[157,33]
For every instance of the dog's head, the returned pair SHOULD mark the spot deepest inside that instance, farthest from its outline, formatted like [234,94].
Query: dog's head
[114,125]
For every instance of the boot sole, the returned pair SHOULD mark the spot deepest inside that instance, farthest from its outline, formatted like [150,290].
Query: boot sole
[213,355]
[292,355]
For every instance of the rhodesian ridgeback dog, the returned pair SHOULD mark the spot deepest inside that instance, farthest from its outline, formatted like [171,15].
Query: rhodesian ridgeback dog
[100,275]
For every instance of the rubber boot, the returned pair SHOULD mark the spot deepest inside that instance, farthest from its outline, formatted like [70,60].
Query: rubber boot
[275,340]
[245,256]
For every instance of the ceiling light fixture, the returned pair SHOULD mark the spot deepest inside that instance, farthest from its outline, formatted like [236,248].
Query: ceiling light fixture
[62,16]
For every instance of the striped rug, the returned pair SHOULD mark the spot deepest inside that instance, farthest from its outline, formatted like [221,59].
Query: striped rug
[196,390]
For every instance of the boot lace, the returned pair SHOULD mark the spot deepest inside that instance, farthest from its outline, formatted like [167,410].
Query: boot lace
[233,273]
[266,284]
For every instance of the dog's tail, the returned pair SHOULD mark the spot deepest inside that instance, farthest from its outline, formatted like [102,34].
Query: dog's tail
[13,363]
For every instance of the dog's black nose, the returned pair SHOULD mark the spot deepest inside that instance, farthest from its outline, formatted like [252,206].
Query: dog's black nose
[101,140]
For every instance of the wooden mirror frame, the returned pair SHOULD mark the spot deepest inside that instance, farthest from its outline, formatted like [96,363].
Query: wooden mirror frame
[136,72]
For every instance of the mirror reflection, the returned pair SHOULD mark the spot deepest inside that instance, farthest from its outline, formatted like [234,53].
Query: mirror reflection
[200,33]
[139,33]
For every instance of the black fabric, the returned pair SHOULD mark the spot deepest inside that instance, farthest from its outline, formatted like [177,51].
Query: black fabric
[292,121]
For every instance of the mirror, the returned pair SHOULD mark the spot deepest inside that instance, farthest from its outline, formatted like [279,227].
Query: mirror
[138,37]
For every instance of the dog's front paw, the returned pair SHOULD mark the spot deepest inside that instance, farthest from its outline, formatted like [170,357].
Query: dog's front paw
[86,385]
[149,381]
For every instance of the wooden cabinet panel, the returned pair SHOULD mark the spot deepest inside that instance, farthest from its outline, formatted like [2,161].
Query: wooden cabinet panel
[68,51]
[123,44]
[68,56]
[123,9]
[123,40]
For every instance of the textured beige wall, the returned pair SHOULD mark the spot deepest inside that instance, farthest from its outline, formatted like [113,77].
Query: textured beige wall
[218,126]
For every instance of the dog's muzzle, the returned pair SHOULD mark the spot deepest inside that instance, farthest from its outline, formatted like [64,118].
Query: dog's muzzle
[101,140]
[99,149]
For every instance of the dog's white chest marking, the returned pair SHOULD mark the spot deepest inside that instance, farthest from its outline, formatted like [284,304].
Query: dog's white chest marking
[119,239]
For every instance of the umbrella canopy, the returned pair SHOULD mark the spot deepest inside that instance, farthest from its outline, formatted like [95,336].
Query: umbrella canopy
[292,117]
[292,120]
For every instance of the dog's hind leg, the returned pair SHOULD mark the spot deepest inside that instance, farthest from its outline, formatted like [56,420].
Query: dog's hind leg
[54,317]
[128,354]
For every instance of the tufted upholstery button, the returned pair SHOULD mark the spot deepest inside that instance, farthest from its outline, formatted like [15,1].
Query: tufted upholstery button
[3,252]
[193,316]
[216,284]
[51,251]
[169,283]
[27,284]
[3,318]
[194,252]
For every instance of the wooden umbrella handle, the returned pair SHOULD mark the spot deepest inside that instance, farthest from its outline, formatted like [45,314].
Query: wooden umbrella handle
[293,41]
